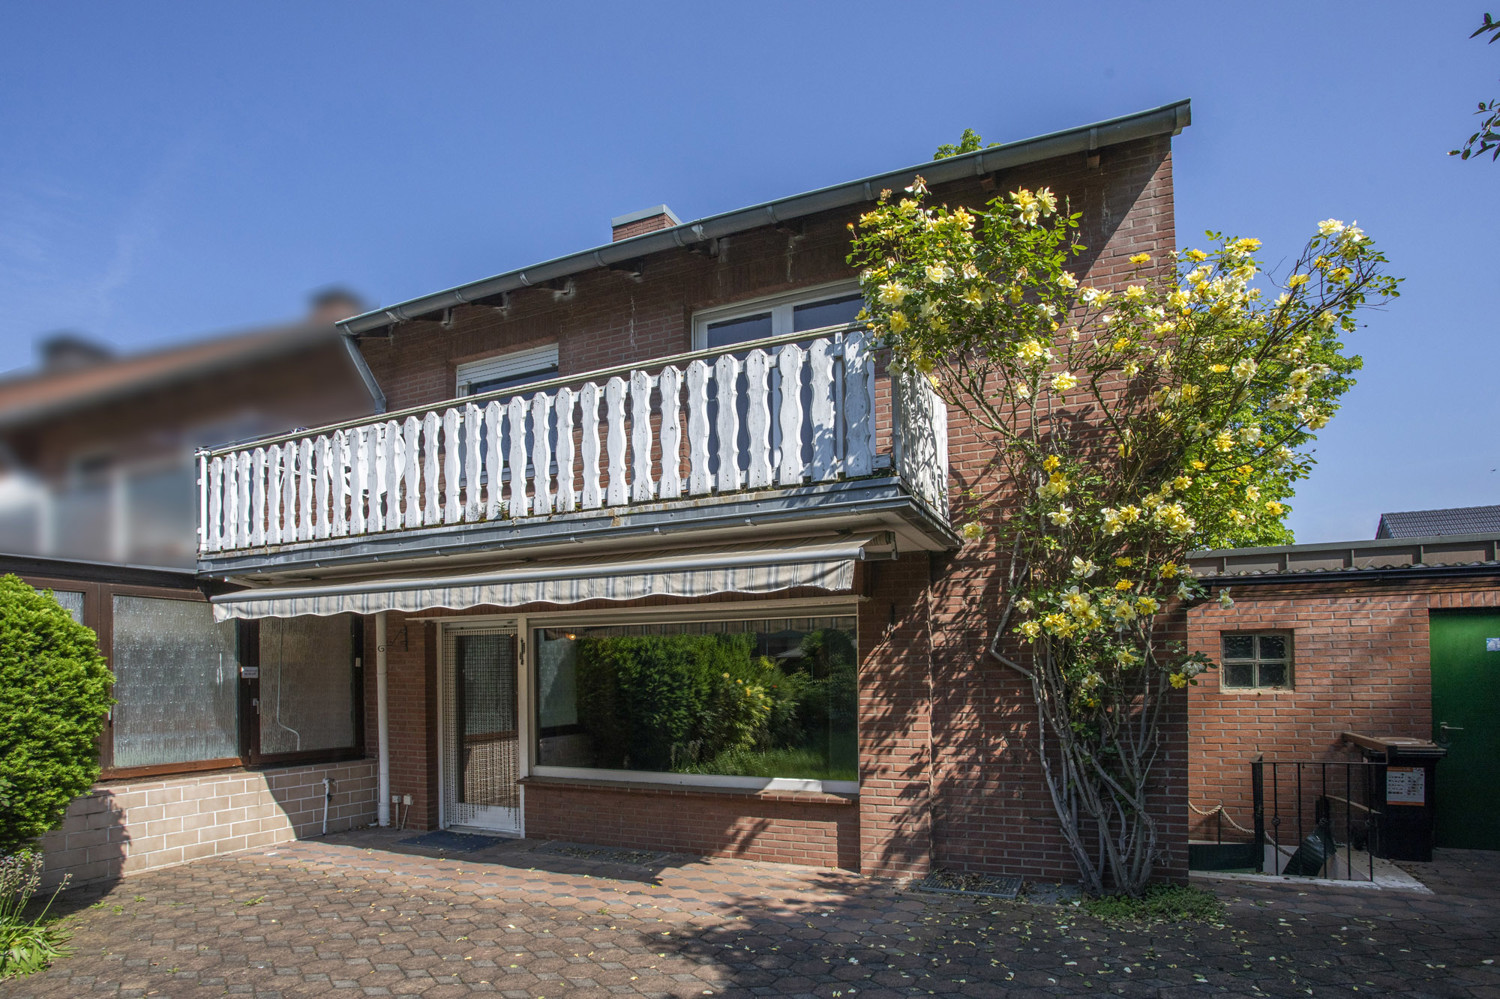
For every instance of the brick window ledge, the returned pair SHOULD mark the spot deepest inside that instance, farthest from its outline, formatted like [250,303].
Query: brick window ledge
[695,790]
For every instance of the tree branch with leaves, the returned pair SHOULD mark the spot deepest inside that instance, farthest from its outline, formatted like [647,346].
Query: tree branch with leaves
[1487,139]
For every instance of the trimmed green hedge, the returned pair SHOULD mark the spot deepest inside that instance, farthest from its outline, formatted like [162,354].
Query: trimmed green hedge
[54,694]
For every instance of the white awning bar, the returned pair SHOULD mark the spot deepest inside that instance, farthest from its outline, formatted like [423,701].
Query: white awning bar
[765,567]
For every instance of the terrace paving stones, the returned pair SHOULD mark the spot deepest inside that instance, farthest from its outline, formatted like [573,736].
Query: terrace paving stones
[362,915]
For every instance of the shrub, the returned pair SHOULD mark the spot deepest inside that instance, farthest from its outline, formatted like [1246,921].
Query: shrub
[54,692]
[26,945]
[1159,903]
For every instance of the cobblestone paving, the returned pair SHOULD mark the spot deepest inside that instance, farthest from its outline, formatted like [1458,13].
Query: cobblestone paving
[350,916]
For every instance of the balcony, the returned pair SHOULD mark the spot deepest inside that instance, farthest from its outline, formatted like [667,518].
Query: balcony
[799,431]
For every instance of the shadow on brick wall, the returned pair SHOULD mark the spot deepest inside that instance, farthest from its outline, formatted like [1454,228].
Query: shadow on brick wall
[91,844]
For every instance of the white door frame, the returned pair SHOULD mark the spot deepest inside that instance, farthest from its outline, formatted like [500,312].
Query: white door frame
[523,708]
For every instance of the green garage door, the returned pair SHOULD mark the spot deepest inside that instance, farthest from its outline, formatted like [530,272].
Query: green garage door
[1466,720]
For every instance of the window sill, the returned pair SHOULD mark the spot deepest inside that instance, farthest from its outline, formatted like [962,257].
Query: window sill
[217,768]
[643,784]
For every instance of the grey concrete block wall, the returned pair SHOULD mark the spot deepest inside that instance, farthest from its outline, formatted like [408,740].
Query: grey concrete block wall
[127,826]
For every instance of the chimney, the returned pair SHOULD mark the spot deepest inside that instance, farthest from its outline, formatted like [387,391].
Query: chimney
[332,304]
[71,351]
[645,220]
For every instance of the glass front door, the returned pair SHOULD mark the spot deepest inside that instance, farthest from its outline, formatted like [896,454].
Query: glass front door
[480,733]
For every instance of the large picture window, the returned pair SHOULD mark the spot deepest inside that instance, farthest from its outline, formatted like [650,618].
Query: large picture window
[749,698]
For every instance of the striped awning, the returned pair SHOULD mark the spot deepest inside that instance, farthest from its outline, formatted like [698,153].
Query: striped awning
[825,563]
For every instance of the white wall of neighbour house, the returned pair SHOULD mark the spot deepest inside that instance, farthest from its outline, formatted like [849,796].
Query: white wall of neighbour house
[124,827]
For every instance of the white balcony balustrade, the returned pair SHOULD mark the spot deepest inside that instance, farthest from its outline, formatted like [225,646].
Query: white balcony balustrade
[784,415]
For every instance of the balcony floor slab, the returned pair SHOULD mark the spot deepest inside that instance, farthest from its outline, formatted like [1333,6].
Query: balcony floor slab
[881,502]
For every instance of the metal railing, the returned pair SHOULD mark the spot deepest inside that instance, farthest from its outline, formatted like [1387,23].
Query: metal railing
[1318,818]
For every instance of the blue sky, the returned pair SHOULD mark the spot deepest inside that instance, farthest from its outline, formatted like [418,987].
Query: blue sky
[167,170]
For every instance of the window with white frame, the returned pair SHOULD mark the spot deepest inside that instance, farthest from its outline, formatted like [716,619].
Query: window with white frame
[1256,659]
[770,698]
[509,370]
[794,312]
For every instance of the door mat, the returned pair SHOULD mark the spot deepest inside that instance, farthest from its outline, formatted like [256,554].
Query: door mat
[453,842]
[987,885]
[605,854]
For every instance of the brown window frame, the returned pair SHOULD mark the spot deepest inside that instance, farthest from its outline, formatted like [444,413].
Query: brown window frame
[98,615]
[248,641]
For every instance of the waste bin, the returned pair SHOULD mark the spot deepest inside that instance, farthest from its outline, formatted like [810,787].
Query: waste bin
[1405,793]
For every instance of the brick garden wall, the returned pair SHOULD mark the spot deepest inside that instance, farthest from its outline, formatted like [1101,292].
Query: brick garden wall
[1360,662]
[128,826]
[821,830]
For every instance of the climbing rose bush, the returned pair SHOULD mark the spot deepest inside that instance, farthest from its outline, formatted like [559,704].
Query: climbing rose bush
[1129,426]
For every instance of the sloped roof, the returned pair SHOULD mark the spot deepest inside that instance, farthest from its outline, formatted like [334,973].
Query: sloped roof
[1169,119]
[1469,554]
[37,396]
[1439,523]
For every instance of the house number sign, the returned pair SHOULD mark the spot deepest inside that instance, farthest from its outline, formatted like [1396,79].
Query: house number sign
[1405,786]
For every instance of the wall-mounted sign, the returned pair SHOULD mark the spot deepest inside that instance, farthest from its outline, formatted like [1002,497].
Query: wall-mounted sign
[1405,786]
[1492,645]
[250,672]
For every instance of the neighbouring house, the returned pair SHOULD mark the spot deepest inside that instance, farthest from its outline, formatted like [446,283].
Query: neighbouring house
[1396,639]
[96,449]
[649,549]
[97,487]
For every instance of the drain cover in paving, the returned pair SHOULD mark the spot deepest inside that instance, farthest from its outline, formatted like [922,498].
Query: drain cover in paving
[988,885]
[604,854]
[453,842]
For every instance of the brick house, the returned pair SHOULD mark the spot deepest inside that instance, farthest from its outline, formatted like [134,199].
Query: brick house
[97,487]
[1395,638]
[648,549]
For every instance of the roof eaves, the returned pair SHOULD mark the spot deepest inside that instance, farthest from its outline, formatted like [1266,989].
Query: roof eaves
[294,338]
[1169,119]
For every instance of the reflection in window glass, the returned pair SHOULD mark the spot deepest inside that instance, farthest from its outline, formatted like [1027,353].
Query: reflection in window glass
[829,312]
[176,683]
[1255,660]
[739,698]
[306,684]
[730,331]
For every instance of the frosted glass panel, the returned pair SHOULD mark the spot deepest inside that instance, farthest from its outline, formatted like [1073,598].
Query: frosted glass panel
[70,601]
[306,684]
[176,683]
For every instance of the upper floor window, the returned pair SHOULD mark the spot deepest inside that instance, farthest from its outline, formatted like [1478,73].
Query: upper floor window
[510,370]
[1260,659]
[795,312]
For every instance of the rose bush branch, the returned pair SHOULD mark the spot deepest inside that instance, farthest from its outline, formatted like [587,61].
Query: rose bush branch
[1129,427]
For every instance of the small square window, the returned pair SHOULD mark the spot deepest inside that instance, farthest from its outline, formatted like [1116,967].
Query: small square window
[1256,660]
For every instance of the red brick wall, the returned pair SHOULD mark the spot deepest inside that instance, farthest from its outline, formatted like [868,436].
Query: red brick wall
[821,830]
[1361,662]
[895,719]
[411,679]
[641,226]
[948,775]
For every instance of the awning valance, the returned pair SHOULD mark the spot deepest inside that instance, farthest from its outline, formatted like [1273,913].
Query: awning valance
[825,563]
